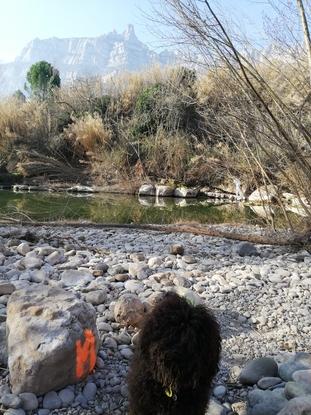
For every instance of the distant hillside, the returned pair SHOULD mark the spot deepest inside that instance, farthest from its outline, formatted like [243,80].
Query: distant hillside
[83,57]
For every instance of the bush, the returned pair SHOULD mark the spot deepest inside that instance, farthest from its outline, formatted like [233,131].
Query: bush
[88,134]
[166,155]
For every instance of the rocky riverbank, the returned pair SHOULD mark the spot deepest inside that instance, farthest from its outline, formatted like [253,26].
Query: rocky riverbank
[259,293]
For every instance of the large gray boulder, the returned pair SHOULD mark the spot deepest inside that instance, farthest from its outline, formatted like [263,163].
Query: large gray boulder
[52,339]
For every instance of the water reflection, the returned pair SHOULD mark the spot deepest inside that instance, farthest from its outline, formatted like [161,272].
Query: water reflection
[111,208]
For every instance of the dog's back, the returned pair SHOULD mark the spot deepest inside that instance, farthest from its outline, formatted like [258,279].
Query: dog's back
[175,360]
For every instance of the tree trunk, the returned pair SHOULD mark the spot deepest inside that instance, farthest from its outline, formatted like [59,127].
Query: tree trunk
[306,32]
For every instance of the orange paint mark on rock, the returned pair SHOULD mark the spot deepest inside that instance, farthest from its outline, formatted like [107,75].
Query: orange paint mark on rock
[85,354]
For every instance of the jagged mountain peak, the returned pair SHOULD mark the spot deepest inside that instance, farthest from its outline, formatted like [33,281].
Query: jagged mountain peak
[79,57]
[129,33]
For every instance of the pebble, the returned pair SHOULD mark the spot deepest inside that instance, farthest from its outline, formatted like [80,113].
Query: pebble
[96,297]
[23,248]
[89,391]
[127,353]
[15,412]
[11,400]
[51,401]
[246,249]
[297,406]
[296,389]
[6,288]
[214,408]
[219,391]
[29,401]
[67,396]
[266,402]
[176,249]
[300,361]
[54,258]
[303,376]
[31,262]
[257,369]
[268,382]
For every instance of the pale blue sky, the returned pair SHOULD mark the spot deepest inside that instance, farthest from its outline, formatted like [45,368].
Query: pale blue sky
[24,20]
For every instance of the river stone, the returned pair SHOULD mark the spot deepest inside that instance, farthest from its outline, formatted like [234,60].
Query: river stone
[147,190]
[23,248]
[96,297]
[257,369]
[29,401]
[15,412]
[10,400]
[219,391]
[66,396]
[3,346]
[51,401]
[297,406]
[127,353]
[266,402]
[44,250]
[176,249]
[55,257]
[303,376]
[6,288]
[89,391]
[239,408]
[134,286]
[139,270]
[268,382]
[189,295]
[46,326]
[129,310]
[296,389]
[246,249]
[73,277]
[155,261]
[214,408]
[31,262]
[186,192]
[300,361]
[164,191]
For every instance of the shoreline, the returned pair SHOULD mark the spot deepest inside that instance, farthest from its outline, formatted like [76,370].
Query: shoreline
[237,232]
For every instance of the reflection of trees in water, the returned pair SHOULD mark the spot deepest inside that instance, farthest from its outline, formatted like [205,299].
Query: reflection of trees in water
[44,206]
[125,209]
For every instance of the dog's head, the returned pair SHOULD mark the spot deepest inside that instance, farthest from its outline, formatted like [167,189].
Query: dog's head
[180,343]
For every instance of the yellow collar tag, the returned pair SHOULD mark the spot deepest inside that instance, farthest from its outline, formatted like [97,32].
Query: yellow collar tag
[169,392]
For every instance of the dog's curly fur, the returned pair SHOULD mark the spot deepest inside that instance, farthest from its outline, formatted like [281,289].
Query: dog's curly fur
[177,353]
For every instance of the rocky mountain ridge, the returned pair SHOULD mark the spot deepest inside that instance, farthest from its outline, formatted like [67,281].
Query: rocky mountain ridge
[111,53]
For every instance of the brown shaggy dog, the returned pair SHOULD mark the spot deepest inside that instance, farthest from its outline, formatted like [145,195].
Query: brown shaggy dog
[175,359]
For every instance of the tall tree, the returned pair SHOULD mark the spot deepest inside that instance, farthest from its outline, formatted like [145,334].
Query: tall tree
[306,32]
[43,78]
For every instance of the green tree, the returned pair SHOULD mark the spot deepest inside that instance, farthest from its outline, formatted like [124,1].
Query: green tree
[42,78]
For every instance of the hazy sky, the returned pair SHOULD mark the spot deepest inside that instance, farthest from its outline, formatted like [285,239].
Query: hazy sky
[24,20]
